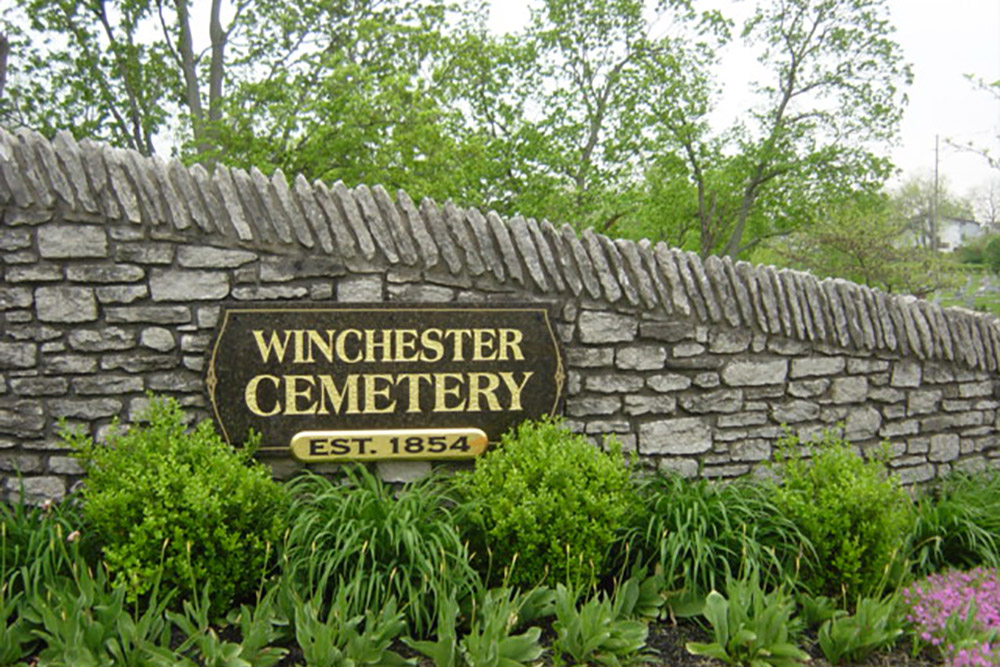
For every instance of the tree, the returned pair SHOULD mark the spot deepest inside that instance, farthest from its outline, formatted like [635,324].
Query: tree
[993,90]
[986,204]
[866,242]
[919,204]
[92,68]
[835,97]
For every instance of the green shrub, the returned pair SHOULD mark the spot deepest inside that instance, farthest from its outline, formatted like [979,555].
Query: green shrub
[161,496]
[361,538]
[547,502]
[855,514]
[958,523]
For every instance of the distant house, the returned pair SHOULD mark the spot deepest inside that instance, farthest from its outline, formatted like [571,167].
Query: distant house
[952,233]
[956,232]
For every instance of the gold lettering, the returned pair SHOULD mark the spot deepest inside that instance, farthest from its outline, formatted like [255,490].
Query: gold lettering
[293,393]
[430,339]
[325,346]
[482,345]
[278,346]
[510,340]
[298,335]
[371,344]
[372,393]
[342,346]
[329,392]
[515,389]
[413,382]
[250,395]
[406,341]
[476,389]
[442,392]
[458,347]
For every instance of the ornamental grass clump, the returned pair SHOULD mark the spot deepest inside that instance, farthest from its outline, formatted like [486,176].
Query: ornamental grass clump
[546,506]
[959,614]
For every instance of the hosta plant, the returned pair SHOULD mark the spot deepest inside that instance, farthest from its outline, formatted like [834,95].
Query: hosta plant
[875,624]
[491,640]
[751,627]
[598,630]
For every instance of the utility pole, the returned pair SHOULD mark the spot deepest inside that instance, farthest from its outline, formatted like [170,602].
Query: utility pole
[934,199]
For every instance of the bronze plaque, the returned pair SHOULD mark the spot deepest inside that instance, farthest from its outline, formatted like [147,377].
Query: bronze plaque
[287,370]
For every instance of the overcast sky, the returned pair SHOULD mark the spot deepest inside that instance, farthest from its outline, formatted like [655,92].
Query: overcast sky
[943,39]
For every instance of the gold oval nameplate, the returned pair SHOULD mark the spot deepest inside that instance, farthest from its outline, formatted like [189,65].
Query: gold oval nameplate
[375,445]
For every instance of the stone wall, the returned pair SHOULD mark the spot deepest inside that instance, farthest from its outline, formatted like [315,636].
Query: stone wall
[113,267]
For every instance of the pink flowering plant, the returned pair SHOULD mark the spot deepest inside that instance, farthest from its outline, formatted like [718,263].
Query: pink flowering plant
[959,614]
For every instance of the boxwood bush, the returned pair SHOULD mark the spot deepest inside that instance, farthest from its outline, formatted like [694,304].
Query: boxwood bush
[180,506]
[548,504]
[854,512]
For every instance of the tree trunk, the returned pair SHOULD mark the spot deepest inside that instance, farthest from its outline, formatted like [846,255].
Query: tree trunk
[4,50]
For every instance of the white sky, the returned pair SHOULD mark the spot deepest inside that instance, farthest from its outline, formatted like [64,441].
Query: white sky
[942,39]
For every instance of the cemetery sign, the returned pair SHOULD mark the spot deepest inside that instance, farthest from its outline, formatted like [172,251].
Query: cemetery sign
[374,381]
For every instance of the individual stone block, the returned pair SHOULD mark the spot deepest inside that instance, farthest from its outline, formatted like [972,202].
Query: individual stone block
[85,408]
[157,338]
[718,401]
[65,304]
[15,297]
[668,382]
[150,314]
[643,405]
[817,366]
[105,273]
[687,349]
[689,435]
[586,406]
[794,412]
[615,383]
[944,447]
[121,293]
[590,357]
[269,292]
[923,402]
[18,355]
[207,257]
[974,389]
[808,388]
[755,373]
[36,490]
[403,472]
[641,357]
[102,339]
[601,327]
[708,380]
[107,384]
[730,341]
[356,289]
[188,285]
[849,390]
[72,241]
[862,424]
[905,374]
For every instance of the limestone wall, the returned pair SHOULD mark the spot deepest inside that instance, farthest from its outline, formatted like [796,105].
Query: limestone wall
[114,265]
